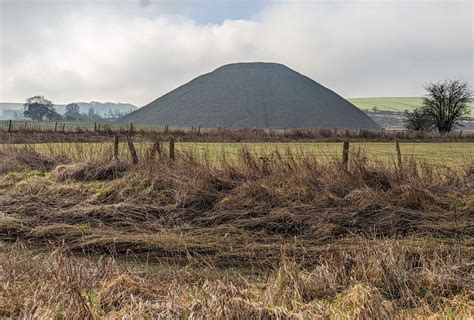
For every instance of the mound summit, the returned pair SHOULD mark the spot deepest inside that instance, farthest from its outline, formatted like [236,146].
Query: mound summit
[252,95]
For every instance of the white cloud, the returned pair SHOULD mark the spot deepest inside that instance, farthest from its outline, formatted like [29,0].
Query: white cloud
[123,53]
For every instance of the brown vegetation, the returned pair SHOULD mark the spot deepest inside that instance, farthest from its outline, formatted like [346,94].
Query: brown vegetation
[87,134]
[281,237]
[376,280]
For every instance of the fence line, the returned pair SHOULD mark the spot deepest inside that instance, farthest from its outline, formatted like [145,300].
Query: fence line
[110,128]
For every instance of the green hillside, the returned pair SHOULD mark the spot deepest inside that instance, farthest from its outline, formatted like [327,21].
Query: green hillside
[391,103]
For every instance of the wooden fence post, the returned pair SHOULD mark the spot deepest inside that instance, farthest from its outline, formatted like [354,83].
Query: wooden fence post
[95,126]
[116,147]
[172,148]
[345,154]
[131,128]
[56,126]
[399,154]
[131,148]
[9,126]
[157,147]
[199,130]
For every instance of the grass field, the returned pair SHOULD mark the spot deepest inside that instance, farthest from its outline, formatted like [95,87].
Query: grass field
[397,104]
[85,236]
[446,153]
[437,153]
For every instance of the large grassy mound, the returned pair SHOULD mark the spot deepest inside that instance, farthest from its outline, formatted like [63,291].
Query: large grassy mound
[252,95]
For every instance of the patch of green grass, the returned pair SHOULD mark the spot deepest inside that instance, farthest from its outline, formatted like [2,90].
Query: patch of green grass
[102,191]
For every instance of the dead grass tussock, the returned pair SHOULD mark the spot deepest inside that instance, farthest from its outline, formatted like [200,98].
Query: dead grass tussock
[90,170]
[362,302]
[20,158]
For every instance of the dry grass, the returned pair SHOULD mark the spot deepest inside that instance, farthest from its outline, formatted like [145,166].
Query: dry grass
[285,237]
[89,170]
[381,280]
[14,159]
[43,133]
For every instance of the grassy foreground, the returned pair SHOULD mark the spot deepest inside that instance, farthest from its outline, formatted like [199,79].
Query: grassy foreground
[289,237]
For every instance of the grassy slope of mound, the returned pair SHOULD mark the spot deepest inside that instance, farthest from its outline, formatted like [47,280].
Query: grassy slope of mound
[252,95]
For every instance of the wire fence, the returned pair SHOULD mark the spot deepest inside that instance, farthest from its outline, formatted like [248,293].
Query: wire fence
[435,155]
[232,134]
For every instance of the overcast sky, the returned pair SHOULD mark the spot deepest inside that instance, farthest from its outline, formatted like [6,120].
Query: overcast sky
[136,50]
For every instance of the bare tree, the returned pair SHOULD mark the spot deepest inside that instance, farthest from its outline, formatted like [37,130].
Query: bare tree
[446,103]
[418,120]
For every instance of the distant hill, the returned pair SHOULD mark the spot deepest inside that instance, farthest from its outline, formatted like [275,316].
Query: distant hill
[397,104]
[10,110]
[252,95]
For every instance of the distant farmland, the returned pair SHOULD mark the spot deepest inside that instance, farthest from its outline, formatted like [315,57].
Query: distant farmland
[396,104]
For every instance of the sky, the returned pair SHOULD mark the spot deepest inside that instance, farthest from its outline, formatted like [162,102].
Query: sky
[137,50]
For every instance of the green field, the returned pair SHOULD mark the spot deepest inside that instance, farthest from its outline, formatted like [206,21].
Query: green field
[429,152]
[433,153]
[397,104]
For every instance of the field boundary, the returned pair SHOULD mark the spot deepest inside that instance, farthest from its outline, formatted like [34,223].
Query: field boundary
[21,132]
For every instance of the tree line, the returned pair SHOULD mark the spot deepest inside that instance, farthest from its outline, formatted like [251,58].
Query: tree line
[39,108]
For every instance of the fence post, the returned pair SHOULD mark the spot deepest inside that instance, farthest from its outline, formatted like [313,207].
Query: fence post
[131,128]
[399,154]
[56,126]
[9,126]
[155,148]
[116,147]
[131,148]
[199,130]
[172,148]
[95,126]
[345,154]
